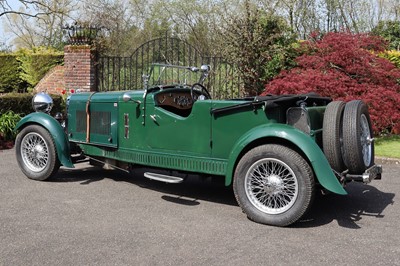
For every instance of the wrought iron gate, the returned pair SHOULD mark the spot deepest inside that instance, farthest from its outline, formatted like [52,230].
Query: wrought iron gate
[125,73]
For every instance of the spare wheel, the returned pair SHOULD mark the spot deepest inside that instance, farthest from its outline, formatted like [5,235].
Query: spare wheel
[332,135]
[358,145]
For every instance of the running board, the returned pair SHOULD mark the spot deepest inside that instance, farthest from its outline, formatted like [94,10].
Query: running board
[163,178]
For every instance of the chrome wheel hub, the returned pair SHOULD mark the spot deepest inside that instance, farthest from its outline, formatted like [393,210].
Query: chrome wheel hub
[274,185]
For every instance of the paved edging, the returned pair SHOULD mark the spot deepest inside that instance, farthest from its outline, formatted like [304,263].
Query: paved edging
[385,160]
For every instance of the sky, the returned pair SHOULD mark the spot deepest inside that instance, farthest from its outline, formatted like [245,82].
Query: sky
[4,37]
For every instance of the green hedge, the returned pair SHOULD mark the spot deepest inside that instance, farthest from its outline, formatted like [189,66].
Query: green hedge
[9,73]
[21,103]
[35,63]
[22,70]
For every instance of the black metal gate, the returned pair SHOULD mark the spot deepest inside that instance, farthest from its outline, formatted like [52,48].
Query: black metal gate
[125,73]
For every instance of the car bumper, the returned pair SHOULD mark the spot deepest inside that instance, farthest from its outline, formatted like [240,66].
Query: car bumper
[374,172]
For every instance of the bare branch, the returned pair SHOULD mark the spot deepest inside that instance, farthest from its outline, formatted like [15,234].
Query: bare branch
[6,9]
[37,15]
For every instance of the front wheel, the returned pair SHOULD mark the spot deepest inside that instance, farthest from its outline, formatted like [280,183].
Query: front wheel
[36,153]
[274,185]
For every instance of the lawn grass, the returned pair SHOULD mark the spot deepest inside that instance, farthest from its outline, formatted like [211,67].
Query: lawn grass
[388,146]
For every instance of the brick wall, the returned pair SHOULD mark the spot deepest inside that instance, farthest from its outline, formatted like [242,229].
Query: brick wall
[79,63]
[53,82]
[78,72]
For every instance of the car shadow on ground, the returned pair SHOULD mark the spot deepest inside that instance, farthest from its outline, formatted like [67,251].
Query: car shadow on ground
[348,210]
[362,200]
[190,192]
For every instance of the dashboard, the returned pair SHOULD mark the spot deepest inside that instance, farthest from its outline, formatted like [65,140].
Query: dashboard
[179,99]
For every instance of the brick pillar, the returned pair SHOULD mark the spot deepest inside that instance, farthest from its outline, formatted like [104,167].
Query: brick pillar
[80,71]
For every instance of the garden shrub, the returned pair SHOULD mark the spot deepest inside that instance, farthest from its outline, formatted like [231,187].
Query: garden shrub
[21,103]
[8,121]
[342,66]
[35,63]
[390,31]
[9,73]
[22,70]
[13,106]
[260,44]
[392,55]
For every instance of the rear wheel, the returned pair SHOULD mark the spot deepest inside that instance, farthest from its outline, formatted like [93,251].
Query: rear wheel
[36,153]
[274,185]
[358,142]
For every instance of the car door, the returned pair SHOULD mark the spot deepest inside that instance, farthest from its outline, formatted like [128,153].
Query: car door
[170,132]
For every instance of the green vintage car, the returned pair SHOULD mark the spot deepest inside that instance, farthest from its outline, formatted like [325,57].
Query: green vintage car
[276,151]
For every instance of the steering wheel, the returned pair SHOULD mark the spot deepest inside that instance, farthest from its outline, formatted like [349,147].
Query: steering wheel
[203,91]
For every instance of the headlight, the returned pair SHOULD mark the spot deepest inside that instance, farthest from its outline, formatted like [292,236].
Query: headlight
[42,102]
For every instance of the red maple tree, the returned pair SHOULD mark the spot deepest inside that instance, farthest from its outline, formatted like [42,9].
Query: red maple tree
[345,66]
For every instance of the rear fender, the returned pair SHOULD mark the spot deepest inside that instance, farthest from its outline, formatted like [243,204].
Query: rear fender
[55,130]
[305,143]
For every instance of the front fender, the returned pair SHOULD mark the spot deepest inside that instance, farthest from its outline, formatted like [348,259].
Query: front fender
[55,130]
[304,142]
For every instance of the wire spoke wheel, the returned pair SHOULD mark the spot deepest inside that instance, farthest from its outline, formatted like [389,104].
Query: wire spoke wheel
[35,152]
[274,185]
[271,186]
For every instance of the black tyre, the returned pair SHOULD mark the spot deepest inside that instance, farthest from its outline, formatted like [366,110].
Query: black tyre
[274,185]
[36,153]
[358,145]
[332,135]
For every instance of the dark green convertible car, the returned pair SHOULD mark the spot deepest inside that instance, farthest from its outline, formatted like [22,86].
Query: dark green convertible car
[276,151]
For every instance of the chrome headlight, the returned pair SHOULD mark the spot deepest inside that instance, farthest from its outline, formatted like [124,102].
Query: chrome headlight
[42,102]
